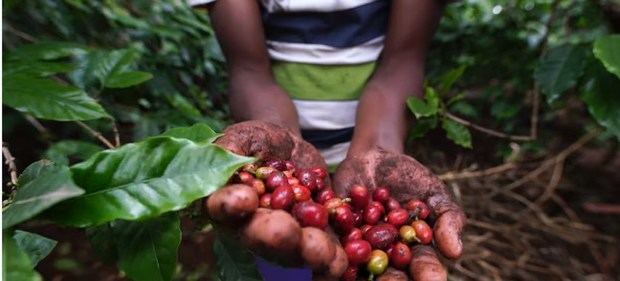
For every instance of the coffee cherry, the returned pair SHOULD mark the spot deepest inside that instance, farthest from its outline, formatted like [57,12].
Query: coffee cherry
[350,274]
[392,204]
[324,195]
[265,201]
[293,181]
[358,251]
[275,180]
[309,213]
[282,197]
[290,166]
[250,168]
[359,196]
[400,255]
[377,263]
[420,209]
[378,205]
[320,184]
[301,193]
[407,233]
[320,172]
[263,172]
[423,232]
[381,194]
[381,236]
[245,178]
[354,234]
[372,213]
[343,219]
[258,186]
[307,179]
[398,217]
[334,203]
[277,164]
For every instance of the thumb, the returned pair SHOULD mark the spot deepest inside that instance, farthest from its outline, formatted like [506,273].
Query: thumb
[448,226]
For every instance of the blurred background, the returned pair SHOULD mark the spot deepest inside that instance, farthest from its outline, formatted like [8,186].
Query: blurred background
[524,131]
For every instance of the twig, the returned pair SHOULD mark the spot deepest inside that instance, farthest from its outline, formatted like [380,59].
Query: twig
[117,138]
[548,163]
[488,131]
[9,160]
[19,33]
[534,116]
[96,134]
[449,176]
[37,125]
[602,208]
[556,176]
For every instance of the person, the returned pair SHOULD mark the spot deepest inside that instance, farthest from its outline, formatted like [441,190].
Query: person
[333,76]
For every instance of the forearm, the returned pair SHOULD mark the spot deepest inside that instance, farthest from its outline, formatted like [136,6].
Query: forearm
[253,93]
[252,97]
[382,118]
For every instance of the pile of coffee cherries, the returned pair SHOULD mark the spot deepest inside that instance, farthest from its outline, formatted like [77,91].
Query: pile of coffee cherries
[374,229]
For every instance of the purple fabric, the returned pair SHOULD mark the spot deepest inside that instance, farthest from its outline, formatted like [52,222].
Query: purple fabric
[272,272]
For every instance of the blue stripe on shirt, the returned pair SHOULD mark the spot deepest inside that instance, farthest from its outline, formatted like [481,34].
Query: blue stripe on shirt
[339,29]
[327,138]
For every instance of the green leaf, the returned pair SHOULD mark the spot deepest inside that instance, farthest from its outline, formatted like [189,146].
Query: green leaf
[607,49]
[41,185]
[559,70]
[102,66]
[46,99]
[424,108]
[603,99]
[16,265]
[46,51]
[456,132]
[199,132]
[235,262]
[61,151]
[146,179]
[127,79]
[422,126]
[447,79]
[36,68]
[35,246]
[464,108]
[147,250]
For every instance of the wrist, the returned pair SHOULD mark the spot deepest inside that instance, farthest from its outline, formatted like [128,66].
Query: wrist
[263,100]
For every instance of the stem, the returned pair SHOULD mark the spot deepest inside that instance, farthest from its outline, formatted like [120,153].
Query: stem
[10,162]
[486,130]
[96,134]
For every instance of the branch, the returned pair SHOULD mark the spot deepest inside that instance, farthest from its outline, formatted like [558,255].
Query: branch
[602,208]
[18,33]
[9,160]
[486,130]
[450,176]
[117,138]
[96,134]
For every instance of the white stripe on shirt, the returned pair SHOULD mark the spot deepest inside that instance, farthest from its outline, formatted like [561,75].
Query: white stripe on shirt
[326,115]
[323,54]
[311,5]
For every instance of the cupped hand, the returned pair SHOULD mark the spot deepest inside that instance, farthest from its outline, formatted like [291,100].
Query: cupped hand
[408,179]
[273,234]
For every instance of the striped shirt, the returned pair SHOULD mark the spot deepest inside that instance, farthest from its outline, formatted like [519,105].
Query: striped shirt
[323,53]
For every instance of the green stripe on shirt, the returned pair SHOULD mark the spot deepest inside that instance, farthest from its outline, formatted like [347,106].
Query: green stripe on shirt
[322,82]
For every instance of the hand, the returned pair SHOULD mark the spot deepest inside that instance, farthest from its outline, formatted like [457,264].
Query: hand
[269,141]
[407,178]
[274,234]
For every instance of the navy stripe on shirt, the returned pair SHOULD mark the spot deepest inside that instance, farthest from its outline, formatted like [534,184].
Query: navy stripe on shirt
[339,29]
[327,138]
